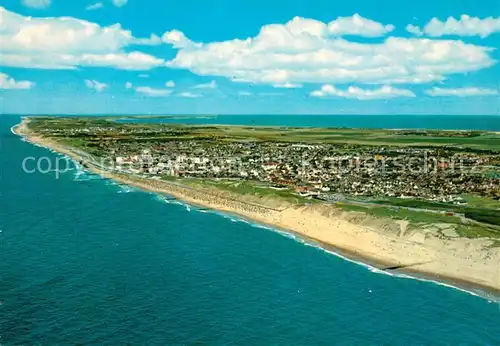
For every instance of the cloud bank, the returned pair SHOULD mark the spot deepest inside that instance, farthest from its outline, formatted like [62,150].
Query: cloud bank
[69,43]
[188,94]
[285,56]
[462,92]
[465,26]
[211,85]
[37,4]
[385,92]
[305,51]
[153,92]
[357,25]
[119,3]
[7,82]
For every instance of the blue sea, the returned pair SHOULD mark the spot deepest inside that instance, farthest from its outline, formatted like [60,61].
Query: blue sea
[441,122]
[87,261]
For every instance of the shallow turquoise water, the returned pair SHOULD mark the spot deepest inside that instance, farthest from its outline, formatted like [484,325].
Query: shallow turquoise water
[89,262]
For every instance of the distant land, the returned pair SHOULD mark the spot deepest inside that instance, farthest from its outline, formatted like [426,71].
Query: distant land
[382,121]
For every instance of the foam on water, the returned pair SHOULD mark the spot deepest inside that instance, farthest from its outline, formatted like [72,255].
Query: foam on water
[81,175]
[160,198]
[126,189]
[78,174]
[13,130]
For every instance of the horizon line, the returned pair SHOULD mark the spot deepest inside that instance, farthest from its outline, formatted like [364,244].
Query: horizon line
[239,114]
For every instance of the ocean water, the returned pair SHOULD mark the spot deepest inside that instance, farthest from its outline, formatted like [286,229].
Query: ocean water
[87,261]
[446,122]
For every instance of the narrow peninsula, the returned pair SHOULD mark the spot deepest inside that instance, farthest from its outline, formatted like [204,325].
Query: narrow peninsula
[419,201]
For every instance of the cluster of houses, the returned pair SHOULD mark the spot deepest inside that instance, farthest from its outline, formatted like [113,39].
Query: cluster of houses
[324,170]
[328,171]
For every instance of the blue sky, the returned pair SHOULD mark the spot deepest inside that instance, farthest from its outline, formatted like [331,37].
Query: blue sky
[215,57]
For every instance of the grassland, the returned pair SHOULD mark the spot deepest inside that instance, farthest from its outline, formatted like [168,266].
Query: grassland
[481,202]
[244,188]
[401,214]
[479,214]
[423,220]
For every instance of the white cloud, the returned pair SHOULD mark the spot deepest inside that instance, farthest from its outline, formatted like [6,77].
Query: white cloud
[462,92]
[303,51]
[465,26]
[68,43]
[354,25]
[97,86]
[211,85]
[152,40]
[413,29]
[37,3]
[95,6]
[288,86]
[189,94]
[170,84]
[357,25]
[177,39]
[245,93]
[148,91]
[153,92]
[119,3]
[7,82]
[384,92]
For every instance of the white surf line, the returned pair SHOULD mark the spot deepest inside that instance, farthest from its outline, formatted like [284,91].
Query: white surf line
[13,128]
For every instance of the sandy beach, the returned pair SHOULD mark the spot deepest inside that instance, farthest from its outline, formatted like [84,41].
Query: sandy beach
[384,241]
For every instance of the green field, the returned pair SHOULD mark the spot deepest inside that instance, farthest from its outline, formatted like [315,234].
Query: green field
[480,214]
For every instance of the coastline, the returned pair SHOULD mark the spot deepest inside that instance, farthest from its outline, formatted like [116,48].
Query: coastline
[459,262]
